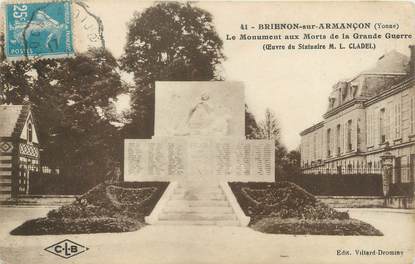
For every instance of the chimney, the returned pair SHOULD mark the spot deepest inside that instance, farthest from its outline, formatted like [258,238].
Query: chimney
[412,61]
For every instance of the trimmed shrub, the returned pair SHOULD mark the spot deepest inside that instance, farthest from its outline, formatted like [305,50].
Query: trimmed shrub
[55,226]
[108,207]
[285,208]
[340,184]
[281,199]
[345,227]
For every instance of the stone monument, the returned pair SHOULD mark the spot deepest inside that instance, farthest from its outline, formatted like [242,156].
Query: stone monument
[199,138]
[198,146]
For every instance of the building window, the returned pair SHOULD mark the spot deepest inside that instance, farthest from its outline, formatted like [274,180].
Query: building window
[358,140]
[382,127]
[350,168]
[338,149]
[338,139]
[369,129]
[388,114]
[412,168]
[349,136]
[29,133]
[321,148]
[412,114]
[398,170]
[354,90]
[397,121]
[328,142]
[339,170]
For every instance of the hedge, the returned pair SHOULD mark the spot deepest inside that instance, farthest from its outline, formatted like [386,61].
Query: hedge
[342,185]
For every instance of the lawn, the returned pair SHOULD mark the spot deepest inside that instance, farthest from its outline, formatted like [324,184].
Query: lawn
[108,207]
[286,208]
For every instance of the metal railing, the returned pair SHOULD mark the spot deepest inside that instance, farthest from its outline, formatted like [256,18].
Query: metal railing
[342,170]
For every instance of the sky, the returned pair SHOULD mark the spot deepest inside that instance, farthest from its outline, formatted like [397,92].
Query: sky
[294,84]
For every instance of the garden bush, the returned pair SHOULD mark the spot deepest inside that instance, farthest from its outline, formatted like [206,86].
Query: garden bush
[282,199]
[340,184]
[285,208]
[54,226]
[345,227]
[108,207]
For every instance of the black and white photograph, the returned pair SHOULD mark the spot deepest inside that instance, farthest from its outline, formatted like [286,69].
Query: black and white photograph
[173,132]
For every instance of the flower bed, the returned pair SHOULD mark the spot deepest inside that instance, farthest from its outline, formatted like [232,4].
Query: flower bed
[285,208]
[116,207]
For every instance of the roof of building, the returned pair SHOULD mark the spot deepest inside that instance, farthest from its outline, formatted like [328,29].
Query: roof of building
[12,119]
[312,128]
[390,72]
[392,62]
[390,68]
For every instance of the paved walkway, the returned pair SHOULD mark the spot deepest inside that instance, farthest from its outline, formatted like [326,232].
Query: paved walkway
[210,244]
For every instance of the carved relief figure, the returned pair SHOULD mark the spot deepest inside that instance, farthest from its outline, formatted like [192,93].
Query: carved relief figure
[204,119]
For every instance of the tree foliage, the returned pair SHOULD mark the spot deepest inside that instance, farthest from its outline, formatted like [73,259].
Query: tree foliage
[169,41]
[292,164]
[286,163]
[251,126]
[172,41]
[70,98]
[269,127]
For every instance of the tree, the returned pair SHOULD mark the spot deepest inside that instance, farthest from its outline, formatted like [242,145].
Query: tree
[291,165]
[169,41]
[80,135]
[269,127]
[70,98]
[251,126]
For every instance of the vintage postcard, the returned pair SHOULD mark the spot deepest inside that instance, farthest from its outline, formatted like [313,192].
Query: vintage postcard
[209,132]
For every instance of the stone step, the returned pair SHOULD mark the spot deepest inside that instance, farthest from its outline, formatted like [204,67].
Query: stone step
[186,191]
[42,202]
[27,202]
[198,203]
[198,186]
[196,216]
[205,209]
[213,223]
[5,188]
[4,197]
[198,196]
[5,180]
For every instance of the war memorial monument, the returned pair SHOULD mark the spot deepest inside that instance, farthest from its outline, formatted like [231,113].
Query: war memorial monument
[199,145]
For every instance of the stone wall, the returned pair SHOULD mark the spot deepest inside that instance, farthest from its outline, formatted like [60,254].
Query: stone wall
[400,202]
[353,201]
[396,202]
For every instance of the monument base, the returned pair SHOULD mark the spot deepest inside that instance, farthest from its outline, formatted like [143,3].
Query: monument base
[198,205]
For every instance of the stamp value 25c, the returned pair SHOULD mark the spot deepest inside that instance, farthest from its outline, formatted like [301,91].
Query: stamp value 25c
[38,30]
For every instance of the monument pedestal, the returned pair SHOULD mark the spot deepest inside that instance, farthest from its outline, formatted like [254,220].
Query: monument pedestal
[198,205]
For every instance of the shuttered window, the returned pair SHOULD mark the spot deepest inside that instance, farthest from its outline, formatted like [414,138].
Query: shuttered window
[412,115]
[397,122]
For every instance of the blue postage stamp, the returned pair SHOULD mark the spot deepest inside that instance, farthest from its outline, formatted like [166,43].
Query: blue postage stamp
[39,30]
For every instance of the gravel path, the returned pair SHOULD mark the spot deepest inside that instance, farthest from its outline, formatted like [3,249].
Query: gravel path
[211,244]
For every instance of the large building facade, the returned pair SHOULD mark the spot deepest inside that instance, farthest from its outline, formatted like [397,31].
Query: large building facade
[367,115]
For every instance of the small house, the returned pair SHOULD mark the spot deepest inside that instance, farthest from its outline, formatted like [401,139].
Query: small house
[19,150]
